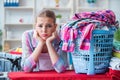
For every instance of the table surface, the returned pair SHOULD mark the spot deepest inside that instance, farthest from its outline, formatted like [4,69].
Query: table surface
[53,75]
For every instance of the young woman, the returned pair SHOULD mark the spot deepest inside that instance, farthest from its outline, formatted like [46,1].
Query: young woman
[40,46]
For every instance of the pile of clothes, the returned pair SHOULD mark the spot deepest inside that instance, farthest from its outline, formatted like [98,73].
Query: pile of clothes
[81,26]
[79,30]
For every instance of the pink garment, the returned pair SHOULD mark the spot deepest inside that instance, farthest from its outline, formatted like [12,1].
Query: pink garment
[81,27]
[45,62]
[86,34]
[106,16]
[70,34]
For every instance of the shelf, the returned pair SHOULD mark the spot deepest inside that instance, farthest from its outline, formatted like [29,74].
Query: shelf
[20,24]
[19,16]
[17,19]
[83,5]
[65,13]
[61,3]
[58,8]
[19,8]
[12,40]
[90,8]
[84,9]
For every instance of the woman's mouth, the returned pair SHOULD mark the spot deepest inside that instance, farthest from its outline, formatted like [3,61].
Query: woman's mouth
[44,35]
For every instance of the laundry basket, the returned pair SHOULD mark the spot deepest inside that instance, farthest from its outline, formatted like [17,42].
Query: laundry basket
[97,59]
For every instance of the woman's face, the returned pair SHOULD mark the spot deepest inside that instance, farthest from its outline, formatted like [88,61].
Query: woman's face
[45,26]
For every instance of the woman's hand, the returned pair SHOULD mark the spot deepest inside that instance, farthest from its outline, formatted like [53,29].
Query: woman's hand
[51,38]
[36,36]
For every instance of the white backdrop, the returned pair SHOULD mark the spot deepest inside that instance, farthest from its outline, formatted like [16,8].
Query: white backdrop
[113,6]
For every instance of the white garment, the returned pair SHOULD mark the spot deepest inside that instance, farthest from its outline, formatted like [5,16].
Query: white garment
[45,62]
[115,63]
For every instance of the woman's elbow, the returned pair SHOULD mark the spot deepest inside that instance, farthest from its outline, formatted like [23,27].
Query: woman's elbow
[60,69]
[26,69]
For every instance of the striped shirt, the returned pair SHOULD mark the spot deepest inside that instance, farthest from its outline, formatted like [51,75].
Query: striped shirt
[44,63]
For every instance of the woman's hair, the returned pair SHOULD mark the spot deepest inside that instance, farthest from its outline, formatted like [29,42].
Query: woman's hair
[47,13]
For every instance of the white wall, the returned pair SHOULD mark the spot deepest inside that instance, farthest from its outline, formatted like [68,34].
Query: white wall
[1,14]
[113,6]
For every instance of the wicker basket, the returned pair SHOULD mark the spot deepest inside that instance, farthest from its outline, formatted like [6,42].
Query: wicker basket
[97,59]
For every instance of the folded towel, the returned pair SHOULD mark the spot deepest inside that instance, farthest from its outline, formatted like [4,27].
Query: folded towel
[115,63]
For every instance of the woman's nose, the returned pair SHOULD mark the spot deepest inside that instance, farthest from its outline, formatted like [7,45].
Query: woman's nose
[44,29]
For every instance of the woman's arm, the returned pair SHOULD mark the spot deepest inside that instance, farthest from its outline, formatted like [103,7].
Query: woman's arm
[53,54]
[29,57]
[36,53]
[58,62]
[27,62]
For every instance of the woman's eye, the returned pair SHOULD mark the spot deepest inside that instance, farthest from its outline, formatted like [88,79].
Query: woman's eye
[49,25]
[39,25]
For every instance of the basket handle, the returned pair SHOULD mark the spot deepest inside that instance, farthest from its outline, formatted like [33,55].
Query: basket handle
[70,60]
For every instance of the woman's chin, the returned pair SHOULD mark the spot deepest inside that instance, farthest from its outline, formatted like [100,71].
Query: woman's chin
[44,39]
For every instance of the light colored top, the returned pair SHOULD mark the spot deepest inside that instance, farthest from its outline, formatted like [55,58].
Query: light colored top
[28,64]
